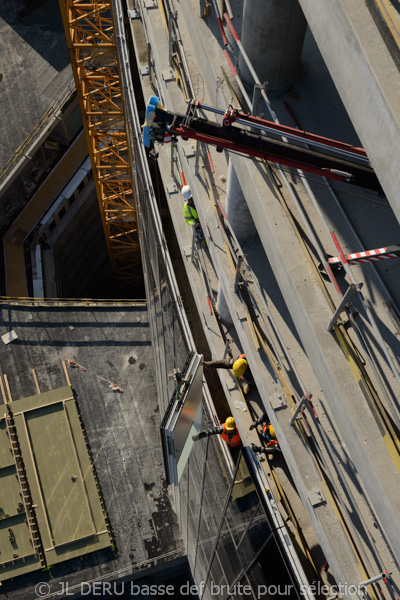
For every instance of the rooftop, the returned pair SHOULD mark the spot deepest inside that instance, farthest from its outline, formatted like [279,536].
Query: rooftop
[61,514]
[35,67]
[113,384]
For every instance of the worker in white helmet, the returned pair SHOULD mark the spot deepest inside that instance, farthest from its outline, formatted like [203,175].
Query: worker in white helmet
[189,211]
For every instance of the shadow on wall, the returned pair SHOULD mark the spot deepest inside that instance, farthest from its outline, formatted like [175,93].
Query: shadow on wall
[39,24]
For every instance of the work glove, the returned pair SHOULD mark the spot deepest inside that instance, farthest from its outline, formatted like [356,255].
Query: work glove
[253,426]
[256,448]
[195,438]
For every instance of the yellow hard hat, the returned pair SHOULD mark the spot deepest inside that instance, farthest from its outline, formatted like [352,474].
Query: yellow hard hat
[271,431]
[239,367]
[230,423]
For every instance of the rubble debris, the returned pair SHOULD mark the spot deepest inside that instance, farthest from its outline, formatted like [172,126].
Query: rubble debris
[10,336]
[76,365]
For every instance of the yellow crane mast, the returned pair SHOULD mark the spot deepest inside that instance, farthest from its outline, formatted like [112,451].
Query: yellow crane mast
[90,33]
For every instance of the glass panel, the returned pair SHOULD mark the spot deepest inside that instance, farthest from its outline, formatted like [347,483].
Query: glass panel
[243,591]
[270,577]
[202,560]
[217,583]
[227,554]
[169,342]
[245,515]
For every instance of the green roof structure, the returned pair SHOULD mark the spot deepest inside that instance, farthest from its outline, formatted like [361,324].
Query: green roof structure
[51,508]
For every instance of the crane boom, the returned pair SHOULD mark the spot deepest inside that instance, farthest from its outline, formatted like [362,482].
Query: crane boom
[328,158]
[92,43]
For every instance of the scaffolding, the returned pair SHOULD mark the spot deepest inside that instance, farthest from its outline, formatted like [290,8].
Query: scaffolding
[92,44]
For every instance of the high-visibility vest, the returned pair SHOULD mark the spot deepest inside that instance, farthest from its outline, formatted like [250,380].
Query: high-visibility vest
[271,439]
[232,438]
[190,214]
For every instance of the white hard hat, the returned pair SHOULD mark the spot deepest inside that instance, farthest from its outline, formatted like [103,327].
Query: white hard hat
[186,193]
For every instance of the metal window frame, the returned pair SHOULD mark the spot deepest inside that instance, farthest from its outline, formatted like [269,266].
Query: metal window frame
[181,407]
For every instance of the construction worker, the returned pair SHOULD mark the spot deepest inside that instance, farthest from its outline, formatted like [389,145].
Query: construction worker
[228,431]
[189,210]
[190,214]
[268,433]
[239,367]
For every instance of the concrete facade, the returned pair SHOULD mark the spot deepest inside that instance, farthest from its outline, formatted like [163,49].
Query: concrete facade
[272,34]
[367,80]
[237,211]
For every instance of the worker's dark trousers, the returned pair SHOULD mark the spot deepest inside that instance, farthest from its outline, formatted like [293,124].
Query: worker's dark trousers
[227,363]
[223,363]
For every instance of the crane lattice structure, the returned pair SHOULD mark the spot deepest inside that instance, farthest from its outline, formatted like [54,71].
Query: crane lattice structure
[90,33]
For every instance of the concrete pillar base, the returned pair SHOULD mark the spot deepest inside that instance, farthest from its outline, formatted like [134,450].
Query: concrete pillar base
[236,209]
[222,307]
[272,34]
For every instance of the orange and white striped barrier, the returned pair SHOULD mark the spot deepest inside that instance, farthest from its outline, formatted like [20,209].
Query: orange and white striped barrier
[368,255]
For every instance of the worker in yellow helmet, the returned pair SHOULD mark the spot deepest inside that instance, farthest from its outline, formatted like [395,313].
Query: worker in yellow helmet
[228,431]
[239,367]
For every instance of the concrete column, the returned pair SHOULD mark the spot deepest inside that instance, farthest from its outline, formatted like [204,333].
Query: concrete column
[272,34]
[238,214]
[222,307]
[242,225]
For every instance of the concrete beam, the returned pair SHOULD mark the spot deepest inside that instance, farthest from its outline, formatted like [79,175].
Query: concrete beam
[310,315]
[367,80]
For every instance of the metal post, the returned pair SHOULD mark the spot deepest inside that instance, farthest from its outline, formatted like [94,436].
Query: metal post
[353,287]
[170,39]
[226,349]
[384,576]
[196,164]
[149,62]
[237,274]
[300,405]
[256,98]
[228,8]
[172,159]
[194,238]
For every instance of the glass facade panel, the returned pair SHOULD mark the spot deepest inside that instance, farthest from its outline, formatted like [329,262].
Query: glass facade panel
[222,520]
[228,555]
[271,575]
[200,570]
[170,336]
[243,591]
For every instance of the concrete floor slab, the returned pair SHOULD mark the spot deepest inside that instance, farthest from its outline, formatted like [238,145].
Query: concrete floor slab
[35,67]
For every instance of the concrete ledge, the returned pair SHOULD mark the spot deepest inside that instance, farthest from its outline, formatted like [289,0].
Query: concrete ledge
[367,80]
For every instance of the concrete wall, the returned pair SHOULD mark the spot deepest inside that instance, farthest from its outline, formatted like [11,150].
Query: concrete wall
[367,81]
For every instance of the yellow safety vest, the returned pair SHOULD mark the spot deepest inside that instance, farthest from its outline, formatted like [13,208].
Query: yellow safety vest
[190,214]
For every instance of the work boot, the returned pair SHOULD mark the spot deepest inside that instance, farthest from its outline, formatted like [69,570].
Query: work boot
[265,450]
[257,448]
[245,388]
